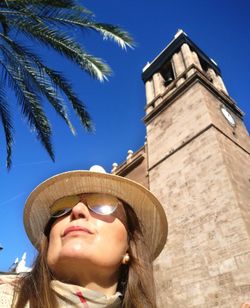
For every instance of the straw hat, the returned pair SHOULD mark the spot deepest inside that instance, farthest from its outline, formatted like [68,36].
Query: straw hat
[146,206]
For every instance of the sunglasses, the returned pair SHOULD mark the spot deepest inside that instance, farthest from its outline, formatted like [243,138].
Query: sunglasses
[102,204]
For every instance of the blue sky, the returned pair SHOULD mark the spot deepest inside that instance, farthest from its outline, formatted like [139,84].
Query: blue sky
[220,28]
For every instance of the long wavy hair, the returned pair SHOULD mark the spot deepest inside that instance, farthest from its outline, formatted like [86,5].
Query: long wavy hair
[136,281]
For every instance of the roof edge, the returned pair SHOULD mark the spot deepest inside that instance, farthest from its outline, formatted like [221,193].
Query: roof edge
[180,38]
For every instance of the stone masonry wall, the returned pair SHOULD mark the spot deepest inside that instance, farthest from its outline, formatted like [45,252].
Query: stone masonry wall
[139,174]
[195,109]
[238,133]
[179,122]
[237,162]
[208,245]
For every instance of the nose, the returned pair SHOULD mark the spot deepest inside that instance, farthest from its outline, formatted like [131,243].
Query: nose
[80,210]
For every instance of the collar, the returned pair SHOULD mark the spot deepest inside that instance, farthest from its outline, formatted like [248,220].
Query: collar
[82,297]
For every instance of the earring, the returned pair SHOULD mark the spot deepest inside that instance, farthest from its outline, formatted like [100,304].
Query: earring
[126,259]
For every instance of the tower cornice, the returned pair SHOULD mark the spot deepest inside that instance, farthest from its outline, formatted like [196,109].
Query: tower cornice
[168,52]
[169,98]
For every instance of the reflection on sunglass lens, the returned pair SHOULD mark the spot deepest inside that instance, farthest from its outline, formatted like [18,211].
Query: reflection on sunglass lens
[103,209]
[102,204]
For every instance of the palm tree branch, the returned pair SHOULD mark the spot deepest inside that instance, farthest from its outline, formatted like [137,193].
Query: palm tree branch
[76,19]
[42,84]
[56,3]
[30,107]
[47,6]
[61,83]
[47,22]
[77,105]
[65,45]
[7,126]
[108,31]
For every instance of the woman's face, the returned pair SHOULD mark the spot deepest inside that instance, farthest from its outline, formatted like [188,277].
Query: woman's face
[86,238]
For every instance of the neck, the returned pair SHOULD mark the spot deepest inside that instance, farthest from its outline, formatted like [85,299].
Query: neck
[103,281]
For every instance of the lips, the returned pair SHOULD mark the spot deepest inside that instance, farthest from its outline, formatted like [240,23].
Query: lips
[76,229]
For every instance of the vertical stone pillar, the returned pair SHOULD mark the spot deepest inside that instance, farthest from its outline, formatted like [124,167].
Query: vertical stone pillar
[217,80]
[188,58]
[196,60]
[178,67]
[150,92]
[223,88]
[158,83]
[211,74]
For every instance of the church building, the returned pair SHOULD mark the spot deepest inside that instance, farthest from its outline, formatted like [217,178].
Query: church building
[196,160]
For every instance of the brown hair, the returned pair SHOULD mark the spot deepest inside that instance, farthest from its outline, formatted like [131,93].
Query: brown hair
[136,281]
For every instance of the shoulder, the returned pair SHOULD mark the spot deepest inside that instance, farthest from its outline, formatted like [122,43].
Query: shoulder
[8,278]
[7,283]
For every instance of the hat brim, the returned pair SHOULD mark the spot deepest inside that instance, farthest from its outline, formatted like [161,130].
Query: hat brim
[146,206]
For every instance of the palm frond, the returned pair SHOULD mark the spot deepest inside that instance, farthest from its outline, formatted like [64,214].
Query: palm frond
[56,16]
[82,10]
[80,109]
[50,23]
[108,31]
[5,118]
[30,107]
[55,3]
[46,6]
[66,46]
[33,70]
[57,81]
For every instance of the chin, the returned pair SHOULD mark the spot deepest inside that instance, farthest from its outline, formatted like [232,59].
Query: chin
[75,250]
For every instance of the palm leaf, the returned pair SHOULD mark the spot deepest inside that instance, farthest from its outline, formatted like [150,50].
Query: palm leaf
[49,23]
[66,46]
[34,71]
[5,118]
[119,36]
[58,81]
[30,105]
[55,3]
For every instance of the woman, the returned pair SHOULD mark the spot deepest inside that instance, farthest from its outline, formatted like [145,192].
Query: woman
[97,235]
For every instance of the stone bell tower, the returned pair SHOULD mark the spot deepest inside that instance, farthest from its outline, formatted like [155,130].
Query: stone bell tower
[198,153]
[197,161]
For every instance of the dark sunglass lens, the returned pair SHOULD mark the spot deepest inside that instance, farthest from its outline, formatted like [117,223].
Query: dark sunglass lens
[57,214]
[61,212]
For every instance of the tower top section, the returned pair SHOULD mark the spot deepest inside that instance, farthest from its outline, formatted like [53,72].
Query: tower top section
[173,47]
[180,65]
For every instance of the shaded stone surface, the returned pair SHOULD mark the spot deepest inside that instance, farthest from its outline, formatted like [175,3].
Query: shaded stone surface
[198,165]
